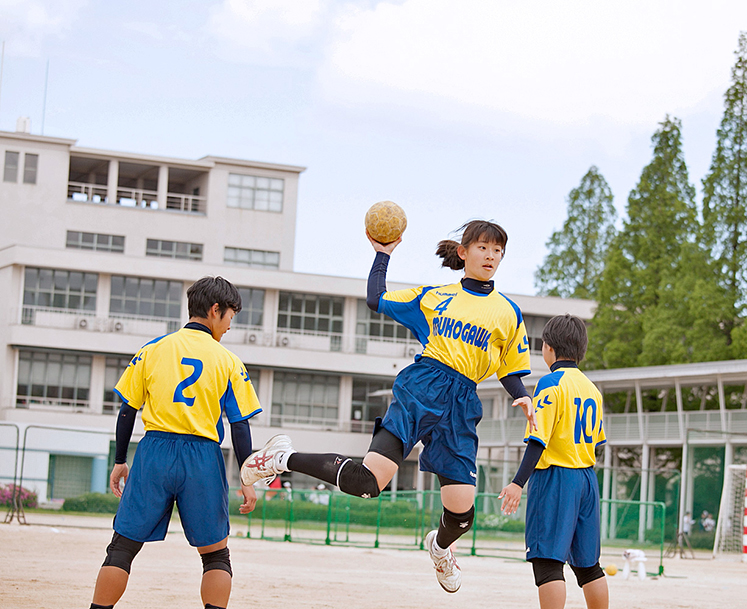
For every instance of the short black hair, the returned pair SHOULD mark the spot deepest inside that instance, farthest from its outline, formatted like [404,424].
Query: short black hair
[205,292]
[566,334]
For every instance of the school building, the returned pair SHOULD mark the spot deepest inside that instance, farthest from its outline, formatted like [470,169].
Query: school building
[97,250]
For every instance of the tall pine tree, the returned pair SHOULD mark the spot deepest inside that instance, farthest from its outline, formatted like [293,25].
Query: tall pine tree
[725,195]
[577,251]
[644,260]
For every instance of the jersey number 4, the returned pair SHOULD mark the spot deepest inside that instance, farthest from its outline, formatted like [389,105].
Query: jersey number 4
[582,413]
[190,380]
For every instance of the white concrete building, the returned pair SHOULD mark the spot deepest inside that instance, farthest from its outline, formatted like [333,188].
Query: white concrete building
[97,250]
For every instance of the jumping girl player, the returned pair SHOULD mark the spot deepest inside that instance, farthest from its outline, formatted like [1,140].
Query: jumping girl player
[469,332]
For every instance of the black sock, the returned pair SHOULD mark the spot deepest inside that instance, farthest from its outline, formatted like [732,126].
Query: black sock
[95,606]
[322,466]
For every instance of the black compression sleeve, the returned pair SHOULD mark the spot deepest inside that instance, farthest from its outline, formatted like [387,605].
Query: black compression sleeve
[515,386]
[377,281]
[241,436]
[125,425]
[532,456]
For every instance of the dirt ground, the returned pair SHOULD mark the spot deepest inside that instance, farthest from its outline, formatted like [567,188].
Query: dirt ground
[53,564]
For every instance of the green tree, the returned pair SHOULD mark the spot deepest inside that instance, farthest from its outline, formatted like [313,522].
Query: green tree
[577,251]
[725,194]
[644,260]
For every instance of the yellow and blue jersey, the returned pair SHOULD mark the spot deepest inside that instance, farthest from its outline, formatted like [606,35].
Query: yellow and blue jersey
[568,407]
[475,333]
[184,382]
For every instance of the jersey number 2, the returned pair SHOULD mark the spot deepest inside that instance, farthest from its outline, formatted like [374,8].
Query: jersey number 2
[190,380]
[581,412]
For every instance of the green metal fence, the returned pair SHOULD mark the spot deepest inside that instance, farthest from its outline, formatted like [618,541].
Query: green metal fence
[400,520]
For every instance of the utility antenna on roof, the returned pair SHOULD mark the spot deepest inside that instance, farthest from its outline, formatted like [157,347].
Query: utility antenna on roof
[44,104]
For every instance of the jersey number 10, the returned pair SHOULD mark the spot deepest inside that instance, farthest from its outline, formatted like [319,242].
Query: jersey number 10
[582,418]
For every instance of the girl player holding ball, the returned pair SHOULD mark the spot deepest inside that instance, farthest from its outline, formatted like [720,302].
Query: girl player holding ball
[469,331]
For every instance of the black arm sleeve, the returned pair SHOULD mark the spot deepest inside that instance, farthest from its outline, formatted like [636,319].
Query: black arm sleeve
[377,280]
[125,425]
[532,456]
[241,436]
[515,386]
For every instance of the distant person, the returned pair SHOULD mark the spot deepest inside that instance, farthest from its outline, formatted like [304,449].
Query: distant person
[563,518]
[687,522]
[469,331]
[184,382]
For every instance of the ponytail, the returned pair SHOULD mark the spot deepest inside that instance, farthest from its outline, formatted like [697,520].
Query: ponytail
[447,249]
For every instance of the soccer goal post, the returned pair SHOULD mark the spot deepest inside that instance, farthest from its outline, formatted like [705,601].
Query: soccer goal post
[731,529]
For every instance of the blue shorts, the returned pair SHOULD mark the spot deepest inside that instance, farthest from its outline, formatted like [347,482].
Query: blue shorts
[437,405]
[563,516]
[172,467]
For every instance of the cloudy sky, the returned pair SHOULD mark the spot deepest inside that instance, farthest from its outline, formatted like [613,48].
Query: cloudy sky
[455,109]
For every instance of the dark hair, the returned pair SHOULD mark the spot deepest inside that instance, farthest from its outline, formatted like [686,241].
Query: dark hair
[472,231]
[566,334]
[205,292]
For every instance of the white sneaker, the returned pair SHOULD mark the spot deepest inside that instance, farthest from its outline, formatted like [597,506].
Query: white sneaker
[263,464]
[448,573]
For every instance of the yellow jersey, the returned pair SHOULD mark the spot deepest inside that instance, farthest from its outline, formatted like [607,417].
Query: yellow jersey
[568,407]
[185,381]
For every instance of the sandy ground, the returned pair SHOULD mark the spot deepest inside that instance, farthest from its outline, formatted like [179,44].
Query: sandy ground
[53,562]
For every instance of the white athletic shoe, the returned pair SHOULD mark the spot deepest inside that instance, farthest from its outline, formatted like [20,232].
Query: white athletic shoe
[263,464]
[448,573]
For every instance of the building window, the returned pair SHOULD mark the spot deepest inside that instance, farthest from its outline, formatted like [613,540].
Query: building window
[310,312]
[173,249]
[310,399]
[57,289]
[534,325]
[53,378]
[252,307]
[31,162]
[250,192]
[366,406]
[115,367]
[376,325]
[95,241]
[144,297]
[11,166]
[254,258]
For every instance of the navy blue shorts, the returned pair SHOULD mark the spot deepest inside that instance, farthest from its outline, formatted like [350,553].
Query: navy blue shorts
[563,516]
[437,405]
[168,468]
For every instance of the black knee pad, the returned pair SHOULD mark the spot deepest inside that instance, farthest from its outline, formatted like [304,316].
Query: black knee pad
[121,551]
[387,444]
[357,479]
[586,575]
[220,559]
[453,526]
[547,570]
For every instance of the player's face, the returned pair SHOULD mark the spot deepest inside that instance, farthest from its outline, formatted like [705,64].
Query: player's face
[221,325]
[481,259]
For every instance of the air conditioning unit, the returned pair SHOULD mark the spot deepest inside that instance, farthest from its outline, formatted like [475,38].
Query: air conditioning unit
[411,352]
[251,337]
[118,326]
[283,342]
[83,323]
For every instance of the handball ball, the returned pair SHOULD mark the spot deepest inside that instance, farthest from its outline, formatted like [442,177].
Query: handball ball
[610,569]
[385,221]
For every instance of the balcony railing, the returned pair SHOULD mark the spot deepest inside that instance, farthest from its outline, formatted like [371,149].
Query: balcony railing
[87,321]
[54,404]
[279,338]
[658,427]
[136,197]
